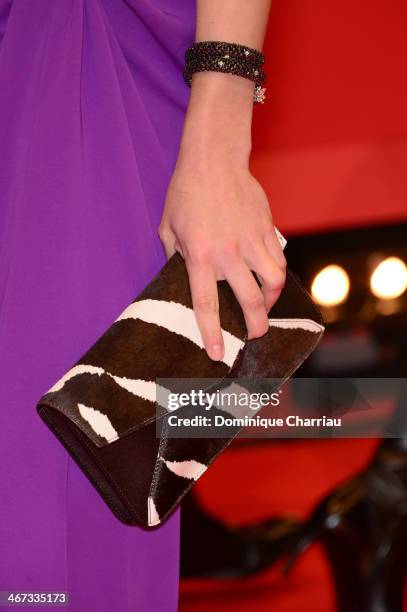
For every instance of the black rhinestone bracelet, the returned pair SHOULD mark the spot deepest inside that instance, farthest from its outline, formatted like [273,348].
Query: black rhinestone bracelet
[229,58]
[214,47]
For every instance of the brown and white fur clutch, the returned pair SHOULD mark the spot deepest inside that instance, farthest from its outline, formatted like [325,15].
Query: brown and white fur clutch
[103,409]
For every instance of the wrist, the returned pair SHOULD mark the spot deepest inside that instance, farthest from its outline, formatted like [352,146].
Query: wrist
[219,115]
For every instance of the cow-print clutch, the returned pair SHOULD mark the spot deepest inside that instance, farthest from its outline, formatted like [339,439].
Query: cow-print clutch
[104,409]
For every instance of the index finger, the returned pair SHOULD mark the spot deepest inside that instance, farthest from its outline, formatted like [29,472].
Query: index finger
[205,301]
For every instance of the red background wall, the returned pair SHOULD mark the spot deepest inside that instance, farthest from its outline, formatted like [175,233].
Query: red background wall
[330,143]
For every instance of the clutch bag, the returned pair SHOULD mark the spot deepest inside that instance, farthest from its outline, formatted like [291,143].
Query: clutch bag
[103,410]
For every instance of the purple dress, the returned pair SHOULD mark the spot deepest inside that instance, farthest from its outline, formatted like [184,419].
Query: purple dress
[92,102]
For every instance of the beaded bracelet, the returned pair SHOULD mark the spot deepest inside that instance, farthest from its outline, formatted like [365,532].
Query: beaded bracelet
[227,57]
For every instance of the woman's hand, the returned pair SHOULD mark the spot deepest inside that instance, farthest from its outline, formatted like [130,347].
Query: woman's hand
[218,217]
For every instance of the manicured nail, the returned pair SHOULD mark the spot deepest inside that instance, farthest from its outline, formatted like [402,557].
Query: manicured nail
[216,352]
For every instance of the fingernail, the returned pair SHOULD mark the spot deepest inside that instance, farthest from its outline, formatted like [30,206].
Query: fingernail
[216,352]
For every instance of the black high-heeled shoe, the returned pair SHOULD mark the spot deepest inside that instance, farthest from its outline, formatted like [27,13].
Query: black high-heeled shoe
[363,527]
[210,549]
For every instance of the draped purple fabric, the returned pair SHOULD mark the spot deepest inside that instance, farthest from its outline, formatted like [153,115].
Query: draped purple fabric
[92,101]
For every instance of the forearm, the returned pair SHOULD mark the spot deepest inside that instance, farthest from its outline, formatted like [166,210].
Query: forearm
[220,107]
[239,21]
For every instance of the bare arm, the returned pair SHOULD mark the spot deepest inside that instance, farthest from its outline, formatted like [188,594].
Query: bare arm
[216,213]
[240,21]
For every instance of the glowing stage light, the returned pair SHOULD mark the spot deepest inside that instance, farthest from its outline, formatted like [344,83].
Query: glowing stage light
[330,286]
[389,279]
